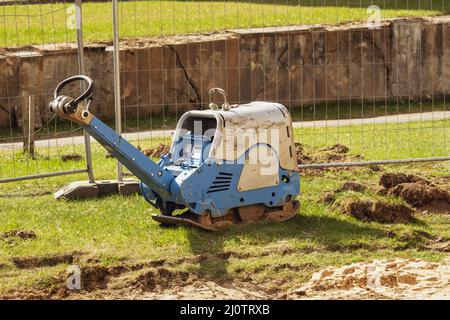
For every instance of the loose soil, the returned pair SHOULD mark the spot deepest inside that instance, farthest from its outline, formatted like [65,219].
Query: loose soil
[72,157]
[376,210]
[45,261]
[379,279]
[330,197]
[305,154]
[389,180]
[158,151]
[17,234]
[138,281]
[352,186]
[334,153]
[416,191]
[154,152]
[423,196]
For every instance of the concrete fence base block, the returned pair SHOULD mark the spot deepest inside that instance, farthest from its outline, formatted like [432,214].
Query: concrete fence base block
[107,187]
[80,190]
[129,187]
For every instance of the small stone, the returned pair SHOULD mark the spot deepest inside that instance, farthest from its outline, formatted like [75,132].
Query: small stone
[407,278]
[349,270]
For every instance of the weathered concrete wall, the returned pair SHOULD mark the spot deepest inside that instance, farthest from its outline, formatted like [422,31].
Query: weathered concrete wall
[405,58]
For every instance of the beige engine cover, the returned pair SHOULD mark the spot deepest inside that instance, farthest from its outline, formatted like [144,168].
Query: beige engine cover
[260,169]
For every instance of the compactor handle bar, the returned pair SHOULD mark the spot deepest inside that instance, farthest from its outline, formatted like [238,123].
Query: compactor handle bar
[86,94]
[62,104]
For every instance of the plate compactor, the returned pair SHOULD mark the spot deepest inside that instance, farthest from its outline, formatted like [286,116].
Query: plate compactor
[228,165]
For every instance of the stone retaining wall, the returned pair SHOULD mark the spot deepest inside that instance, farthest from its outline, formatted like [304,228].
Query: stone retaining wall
[298,65]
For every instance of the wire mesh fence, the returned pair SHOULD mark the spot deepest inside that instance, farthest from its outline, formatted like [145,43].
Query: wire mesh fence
[37,50]
[370,76]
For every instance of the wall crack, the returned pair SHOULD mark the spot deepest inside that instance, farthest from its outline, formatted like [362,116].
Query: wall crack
[186,75]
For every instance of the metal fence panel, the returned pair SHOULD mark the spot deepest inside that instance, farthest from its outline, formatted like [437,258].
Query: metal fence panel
[33,38]
[377,85]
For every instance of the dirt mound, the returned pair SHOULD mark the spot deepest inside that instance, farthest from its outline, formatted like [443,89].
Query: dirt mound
[419,195]
[352,186]
[335,153]
[368,210]
[336,148]
[416,191]
[305,154]
[17,234]
[159,279]
[158,151]
[383,279]
[330,197]
[71,157]
[95,277]
[389,180]
[155,152]
[302,155]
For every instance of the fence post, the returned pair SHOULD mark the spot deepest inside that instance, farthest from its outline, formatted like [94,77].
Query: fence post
[80,49]
[117,113]
[31,125]
[24,121]
[28,124]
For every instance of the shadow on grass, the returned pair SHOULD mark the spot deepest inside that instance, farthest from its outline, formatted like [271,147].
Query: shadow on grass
[327,231]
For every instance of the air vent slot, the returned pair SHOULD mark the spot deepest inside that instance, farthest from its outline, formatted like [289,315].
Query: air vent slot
[221,183]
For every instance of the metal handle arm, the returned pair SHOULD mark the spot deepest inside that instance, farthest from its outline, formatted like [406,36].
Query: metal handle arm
[86,94]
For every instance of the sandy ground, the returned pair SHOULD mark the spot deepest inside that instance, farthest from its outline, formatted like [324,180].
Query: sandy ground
[197,291]
[379,279]
[376,279]
[206,291]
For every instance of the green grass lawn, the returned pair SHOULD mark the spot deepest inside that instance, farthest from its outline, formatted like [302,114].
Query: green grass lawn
[372,141]
[118,231]
[37,24]
[329,111]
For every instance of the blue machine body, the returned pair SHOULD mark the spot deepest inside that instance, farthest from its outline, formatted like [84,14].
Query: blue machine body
[188,177]
[230,166]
